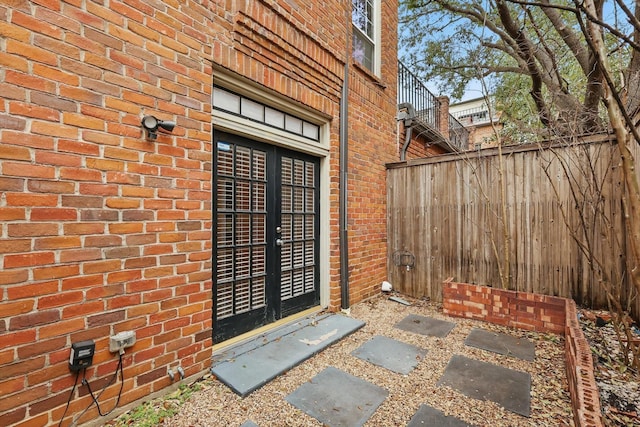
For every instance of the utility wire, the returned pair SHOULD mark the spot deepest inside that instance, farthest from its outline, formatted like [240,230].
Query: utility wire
[94,398]
[69,399]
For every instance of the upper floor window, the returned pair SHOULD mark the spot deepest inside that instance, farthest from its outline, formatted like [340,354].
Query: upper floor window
[366,33]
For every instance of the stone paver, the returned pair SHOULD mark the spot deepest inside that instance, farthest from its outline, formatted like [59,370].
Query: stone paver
[431,417]
[390,354]
[481,380]
[426,326]
[336,398]
[505,344]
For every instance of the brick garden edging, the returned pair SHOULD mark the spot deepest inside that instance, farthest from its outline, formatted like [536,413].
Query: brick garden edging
[540,313]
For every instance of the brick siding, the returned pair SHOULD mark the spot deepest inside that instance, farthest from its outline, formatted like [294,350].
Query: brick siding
[523,310]
[540,313]
[103,231]
[420,146]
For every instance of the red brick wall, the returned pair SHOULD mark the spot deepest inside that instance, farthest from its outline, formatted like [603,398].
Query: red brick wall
[369,150]
[541,313]
[423,146]
[483,136]
[419,147]
[579,365]
[102,231]
[523,310]
[443,115]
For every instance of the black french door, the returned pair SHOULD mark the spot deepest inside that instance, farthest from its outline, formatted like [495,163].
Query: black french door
[266,227]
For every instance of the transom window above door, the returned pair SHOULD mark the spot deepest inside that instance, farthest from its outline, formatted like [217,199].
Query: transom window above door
[242,106]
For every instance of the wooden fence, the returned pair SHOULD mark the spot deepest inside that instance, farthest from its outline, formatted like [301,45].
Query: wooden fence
[446,218]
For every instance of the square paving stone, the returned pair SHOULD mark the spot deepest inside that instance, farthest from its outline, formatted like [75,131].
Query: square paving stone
[391,354]
[428,416]
[336,398]
[425,325]
[505,344]
[480,380]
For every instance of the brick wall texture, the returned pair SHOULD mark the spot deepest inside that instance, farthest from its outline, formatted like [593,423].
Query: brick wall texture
[523,310]
[102,231]
[419,147]
[541,313]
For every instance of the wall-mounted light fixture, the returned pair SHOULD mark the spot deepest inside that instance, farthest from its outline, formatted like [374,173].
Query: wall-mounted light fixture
[151,125]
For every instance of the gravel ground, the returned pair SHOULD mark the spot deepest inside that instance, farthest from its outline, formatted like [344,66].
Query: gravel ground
[215,404]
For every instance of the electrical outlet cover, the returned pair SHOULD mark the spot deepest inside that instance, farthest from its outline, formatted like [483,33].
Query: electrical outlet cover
[122,340]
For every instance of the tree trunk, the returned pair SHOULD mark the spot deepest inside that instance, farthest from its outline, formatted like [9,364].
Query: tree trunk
[624,140]
[632,83]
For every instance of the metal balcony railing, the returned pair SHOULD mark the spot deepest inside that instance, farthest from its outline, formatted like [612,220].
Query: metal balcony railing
[412,91]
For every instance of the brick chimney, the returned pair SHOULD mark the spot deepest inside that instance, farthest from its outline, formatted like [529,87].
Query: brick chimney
[443,115]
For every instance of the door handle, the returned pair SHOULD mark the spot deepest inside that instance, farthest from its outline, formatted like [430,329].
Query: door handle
[279,242]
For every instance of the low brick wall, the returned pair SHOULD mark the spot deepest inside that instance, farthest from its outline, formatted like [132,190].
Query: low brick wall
[579,366]
[531,312]
[540,313]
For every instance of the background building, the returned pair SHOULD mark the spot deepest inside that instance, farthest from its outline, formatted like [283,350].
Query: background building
[482,123]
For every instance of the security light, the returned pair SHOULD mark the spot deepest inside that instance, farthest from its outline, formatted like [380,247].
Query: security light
[151,124]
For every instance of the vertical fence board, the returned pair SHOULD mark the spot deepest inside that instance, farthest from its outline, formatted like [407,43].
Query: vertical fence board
[446,211]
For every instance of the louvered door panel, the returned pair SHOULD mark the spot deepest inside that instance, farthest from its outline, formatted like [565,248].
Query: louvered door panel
[240,230]
[298,219]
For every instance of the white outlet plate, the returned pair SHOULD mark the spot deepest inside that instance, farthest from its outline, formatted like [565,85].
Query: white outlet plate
[122,340]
